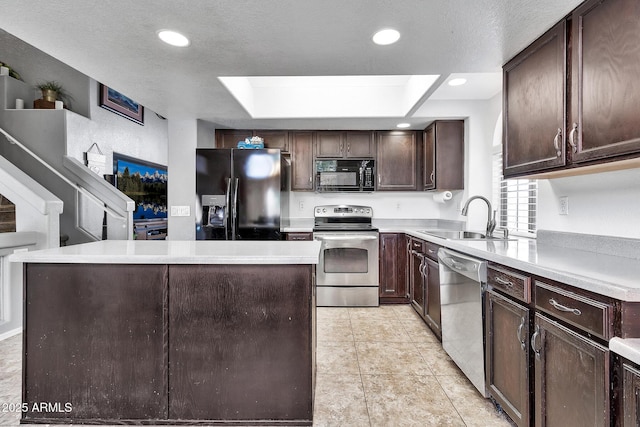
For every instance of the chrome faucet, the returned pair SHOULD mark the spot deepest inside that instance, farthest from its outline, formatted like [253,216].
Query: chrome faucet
[491,221]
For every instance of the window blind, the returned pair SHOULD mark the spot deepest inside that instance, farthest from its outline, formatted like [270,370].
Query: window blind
[515,199]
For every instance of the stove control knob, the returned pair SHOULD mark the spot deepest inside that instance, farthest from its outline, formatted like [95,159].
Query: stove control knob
[324,210]
[368,211]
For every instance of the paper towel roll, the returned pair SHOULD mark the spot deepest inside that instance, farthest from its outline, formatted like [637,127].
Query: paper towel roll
[442,197]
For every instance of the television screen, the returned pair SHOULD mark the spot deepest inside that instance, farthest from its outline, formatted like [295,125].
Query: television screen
[144,182]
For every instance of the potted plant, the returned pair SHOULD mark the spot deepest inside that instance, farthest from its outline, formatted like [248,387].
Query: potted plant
[12,73]
[51,91]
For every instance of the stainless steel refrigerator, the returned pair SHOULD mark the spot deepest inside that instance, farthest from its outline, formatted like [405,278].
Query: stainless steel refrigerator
[241,194]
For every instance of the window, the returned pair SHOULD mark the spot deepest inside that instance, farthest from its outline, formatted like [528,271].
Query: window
[515,199]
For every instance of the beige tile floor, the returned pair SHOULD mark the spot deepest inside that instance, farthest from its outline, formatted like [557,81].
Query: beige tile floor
[376,367]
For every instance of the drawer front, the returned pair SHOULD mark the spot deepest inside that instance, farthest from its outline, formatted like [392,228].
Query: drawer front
[510,282]
[299,236]
[431,250]
[416,245]
[587,314]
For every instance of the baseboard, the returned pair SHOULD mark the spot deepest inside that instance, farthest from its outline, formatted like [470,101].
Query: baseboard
[11,333]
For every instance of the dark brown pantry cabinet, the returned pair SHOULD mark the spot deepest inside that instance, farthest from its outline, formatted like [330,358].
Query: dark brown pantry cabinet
[393,259]
[397,160]
[443,155]
[534,106]
[228,138]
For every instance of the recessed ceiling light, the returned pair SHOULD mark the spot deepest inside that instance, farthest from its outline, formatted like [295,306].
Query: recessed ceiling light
[403,125]
[386,36]
[173,38]
[457,82]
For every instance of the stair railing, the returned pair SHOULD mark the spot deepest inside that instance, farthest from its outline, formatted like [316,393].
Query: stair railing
[116,221]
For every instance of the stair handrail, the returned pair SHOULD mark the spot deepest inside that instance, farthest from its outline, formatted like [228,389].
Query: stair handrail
[129,205]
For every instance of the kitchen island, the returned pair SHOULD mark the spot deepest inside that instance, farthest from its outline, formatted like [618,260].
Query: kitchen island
[154,332]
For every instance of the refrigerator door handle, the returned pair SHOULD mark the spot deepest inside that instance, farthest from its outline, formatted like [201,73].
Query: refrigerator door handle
[228,206]
[234,224]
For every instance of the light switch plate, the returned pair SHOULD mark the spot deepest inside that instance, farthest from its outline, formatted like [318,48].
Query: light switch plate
[180,210]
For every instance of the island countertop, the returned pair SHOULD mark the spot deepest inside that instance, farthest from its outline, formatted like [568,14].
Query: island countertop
[178,252]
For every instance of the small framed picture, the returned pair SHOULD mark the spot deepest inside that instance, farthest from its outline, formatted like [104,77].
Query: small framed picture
[116,102]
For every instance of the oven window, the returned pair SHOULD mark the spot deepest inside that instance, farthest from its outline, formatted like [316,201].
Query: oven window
[346,260]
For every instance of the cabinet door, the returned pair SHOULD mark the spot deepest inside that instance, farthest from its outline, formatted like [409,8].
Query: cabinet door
[417,282]
[432,303]
[360,145]
[392,267]
[329,144]
[237,325]
[301,161]
[507,361]
[230,138]
[274,139]
[396,160]
[97,339]
[605,93]
[571,377]
[429,158]
[534,106]
[631,395]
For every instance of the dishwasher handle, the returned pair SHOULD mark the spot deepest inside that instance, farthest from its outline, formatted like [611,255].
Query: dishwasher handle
[473,268]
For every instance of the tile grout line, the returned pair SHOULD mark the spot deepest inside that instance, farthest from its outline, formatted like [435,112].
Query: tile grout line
[364,393]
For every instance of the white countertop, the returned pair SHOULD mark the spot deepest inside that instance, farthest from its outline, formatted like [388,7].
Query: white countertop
[608,275]
[178,252]
[628,348]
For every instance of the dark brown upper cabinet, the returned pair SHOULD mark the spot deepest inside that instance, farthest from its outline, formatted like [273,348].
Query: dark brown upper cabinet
[396,161]
[443,159]
[588,67]
[605,88]
[347,144]
[228,138]
[534,106]
[301,143]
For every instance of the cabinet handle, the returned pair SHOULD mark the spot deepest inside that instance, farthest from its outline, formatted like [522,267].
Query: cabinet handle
[522,341]
[556,142]
[379,179]
[431,251]
[432,176]
[572,137]
[564,308]
[535,336]
[348,147]
[341,147]
[310,179]
[503,282]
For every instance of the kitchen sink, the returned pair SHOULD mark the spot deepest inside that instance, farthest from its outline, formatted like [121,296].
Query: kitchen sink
[461,235]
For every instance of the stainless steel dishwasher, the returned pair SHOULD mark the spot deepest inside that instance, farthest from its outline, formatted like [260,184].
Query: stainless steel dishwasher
[463,280]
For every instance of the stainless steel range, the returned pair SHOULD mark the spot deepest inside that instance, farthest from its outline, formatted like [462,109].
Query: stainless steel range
[347,275]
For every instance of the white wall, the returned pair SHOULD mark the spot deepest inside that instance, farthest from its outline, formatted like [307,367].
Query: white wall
[603,204]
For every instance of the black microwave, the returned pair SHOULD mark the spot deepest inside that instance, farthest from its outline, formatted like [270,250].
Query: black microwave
[345,175]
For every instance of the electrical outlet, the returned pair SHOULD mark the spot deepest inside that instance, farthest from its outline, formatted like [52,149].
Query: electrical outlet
[301,205]
[180,211]
[398,206]
[564,205]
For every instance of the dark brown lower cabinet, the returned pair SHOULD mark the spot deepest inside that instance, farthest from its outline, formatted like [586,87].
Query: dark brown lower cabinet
[393,259]
[507,361]
[432,303]
[571,377]
[417,291]
[631,395]
[95,340]
[241,343]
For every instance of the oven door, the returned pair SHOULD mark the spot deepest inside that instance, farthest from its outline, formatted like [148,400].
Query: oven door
[347,274]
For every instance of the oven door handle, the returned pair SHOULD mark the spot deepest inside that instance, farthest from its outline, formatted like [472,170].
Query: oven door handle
[347,237]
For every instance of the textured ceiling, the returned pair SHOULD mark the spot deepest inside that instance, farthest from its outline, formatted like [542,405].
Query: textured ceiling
[115,43]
